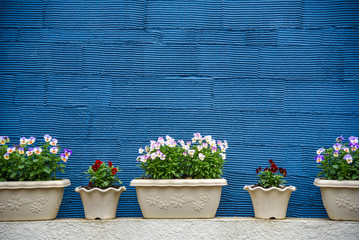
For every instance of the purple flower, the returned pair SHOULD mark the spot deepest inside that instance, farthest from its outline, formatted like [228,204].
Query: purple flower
[340,139]
[68,152]
[319,158]
[23,140]
[353,139]
[64,157]
[337,146]
[320,150]
[21,150]
[54,150]
[354,146]
[336,153]
[348,158]
[53,142]
[31,140]
[345,149]
[37,150]
[47,138]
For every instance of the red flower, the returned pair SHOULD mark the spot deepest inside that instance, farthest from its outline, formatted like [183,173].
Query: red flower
[258,170]
[114,170]
[266,169]
[98,162]
[271,161]
[110,164]
[90,184]
[95,167]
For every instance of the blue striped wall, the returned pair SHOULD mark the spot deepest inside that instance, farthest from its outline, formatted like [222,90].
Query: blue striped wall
[275,78]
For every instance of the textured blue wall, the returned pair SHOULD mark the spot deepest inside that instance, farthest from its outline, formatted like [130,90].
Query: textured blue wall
[277,79]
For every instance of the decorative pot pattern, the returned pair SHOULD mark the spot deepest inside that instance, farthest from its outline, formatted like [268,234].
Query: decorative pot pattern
[31,200]
[179,198]
[269,203]
[340,198]
[100,203]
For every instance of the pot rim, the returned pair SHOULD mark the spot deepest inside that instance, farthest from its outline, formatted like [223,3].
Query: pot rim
[96,189]
[321,182]
[35,184]
[254,188]
[178,182]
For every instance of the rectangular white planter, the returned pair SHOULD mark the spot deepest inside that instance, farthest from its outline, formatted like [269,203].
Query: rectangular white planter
[340,198]
[31,200]
[179,198]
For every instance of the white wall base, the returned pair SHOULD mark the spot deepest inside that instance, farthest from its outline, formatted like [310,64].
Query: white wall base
[183,229]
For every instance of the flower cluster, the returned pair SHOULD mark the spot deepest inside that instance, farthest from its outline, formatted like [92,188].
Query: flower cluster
[270,177]
[340,162]
[26,162]
[203,157]
[102,175]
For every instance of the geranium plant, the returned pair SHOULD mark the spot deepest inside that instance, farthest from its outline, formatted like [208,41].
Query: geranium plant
[27,162]
[271,176]
[201,158]
[341,161]
[102,175]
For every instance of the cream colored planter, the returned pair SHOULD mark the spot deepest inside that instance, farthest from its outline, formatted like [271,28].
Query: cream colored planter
[179,198]
[340,198]
[269,203]
[31,200]
[100,203]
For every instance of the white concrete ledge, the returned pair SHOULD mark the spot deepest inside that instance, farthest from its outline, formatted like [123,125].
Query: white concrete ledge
[183,229]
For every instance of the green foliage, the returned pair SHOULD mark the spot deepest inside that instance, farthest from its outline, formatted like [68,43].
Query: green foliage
[102,175]
[342,164]
[26,164]
[272,176]
[202,158]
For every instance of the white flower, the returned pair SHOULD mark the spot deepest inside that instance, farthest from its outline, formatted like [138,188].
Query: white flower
[201,156]
[141,150]
[223,155]
[191,152]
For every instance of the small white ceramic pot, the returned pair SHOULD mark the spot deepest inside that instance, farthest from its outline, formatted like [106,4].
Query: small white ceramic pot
[179,198]
[270,203]
[100,203]
[340,198]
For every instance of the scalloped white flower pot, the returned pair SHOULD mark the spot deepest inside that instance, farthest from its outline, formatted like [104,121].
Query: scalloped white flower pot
[269,203]
[179,198]
[100,203]
[340,198]
[31,200]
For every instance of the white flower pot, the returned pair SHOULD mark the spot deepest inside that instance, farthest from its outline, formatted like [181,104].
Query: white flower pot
[269,203]
[31,200]
[179,198]
[100,203]
[340,198]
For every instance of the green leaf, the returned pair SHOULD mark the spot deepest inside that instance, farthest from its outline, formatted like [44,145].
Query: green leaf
[32,173]
[13,175]
[335,166]
[47,170]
